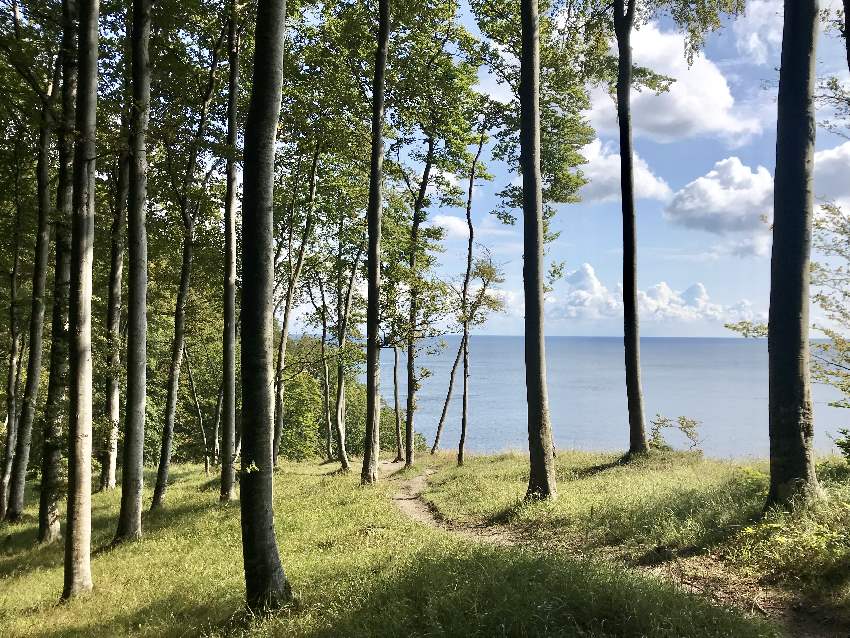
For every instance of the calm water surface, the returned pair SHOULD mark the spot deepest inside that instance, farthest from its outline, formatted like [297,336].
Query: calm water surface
[720,382]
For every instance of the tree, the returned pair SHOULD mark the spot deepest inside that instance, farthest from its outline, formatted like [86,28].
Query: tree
[265,581]
[56,404]
[78,537]
[132,475]
[371,451]
[541,482]
[228,401]
[792,469]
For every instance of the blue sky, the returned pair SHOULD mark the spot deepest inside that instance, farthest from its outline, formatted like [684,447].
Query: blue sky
[704,182]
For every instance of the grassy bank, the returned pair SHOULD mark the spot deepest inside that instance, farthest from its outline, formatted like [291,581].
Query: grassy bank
[359,567]
[669,509]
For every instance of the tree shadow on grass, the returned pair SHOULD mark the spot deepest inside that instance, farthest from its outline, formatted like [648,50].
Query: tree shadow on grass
[482,591]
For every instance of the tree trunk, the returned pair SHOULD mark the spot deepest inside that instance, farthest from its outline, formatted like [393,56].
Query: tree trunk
[623,19]
[113,323]
[541,482]
[78,538]
[216,437]
[448,399]
[326,383]
[198,411]
[399,448]
[183,290]
[372,444]
[465,306]
[14,354]
[266,584]
[227,401]
[56,404]
[289,305]
[132,471]
[792,469]
[846,31]
[412,380]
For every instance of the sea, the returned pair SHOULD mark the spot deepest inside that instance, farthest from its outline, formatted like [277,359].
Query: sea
[722,383]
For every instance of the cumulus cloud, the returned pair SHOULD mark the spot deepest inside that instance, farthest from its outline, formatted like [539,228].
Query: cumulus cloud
[731,197]
[758,33]
[584,296]
[603,172]
[736,202]
[699,102]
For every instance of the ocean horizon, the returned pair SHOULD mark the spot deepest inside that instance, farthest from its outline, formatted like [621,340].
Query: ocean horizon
[721,382]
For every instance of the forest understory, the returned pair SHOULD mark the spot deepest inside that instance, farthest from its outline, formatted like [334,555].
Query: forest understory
[667,546]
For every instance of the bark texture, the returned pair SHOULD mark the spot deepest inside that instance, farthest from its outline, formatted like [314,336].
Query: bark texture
[78,578]
[372,445]
[132,472]
[541,482]
[266,584]
[792,468]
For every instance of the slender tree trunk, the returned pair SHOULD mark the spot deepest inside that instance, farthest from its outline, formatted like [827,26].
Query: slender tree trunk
[132,471]
[266,584]
[412,337]
[792,468]
[228,395]
[113,323]
[78,578]
[326,382]
[442,421]
[198,411]
[846,31]
[289,304]
[399,448]
[372,444]
[541,483]
[183,290]
[216,442]
[14,354]
[56,404]
[465,305]
[623,19]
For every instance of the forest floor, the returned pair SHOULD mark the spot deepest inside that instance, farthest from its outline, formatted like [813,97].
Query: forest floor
[363,562]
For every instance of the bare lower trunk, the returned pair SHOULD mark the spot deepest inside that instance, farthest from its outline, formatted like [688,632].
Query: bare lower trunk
[132,471]
[198,412]
[792,468]
[113,324]
[372,445]
[78,578]
[177,345]
[265,581]
[227,398]
[399,448]
[623,19]
[56,404]
[541,482]
[14,356]
[465,403]
[443,414]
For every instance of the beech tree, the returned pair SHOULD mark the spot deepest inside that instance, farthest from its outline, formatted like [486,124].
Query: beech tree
[265,581]
[792,468]
[78,534]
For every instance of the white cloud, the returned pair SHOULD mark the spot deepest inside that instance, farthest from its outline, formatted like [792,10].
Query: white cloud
[454,227]
[729,198]
[603,172]
[758,33]
[699,102]
[583,296]
[736,202]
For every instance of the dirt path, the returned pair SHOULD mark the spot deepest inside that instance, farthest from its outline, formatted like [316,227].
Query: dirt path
[698,575]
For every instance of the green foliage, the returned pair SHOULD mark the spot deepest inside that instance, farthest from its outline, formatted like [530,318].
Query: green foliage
[682,424]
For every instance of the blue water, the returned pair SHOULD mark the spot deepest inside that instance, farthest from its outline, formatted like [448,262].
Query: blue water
[720,382]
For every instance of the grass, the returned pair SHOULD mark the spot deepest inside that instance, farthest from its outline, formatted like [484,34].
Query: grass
[662,507]
[358,566]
